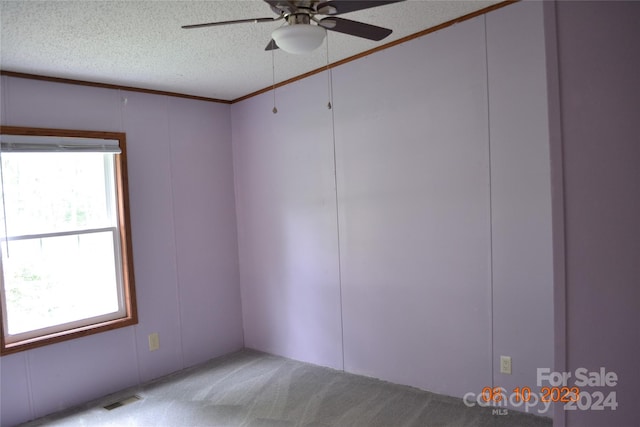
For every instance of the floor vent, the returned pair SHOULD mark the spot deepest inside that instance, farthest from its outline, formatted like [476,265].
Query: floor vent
[122,402]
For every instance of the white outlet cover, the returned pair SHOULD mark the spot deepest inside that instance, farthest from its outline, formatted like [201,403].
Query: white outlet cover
[154,342]
[505,364]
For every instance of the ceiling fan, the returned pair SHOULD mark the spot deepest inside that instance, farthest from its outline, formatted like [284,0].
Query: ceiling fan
[299,35]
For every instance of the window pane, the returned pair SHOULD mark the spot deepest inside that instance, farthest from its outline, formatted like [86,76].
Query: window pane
[56,280]
[51,192]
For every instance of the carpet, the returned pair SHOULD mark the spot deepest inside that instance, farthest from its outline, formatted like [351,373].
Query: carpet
[253,389]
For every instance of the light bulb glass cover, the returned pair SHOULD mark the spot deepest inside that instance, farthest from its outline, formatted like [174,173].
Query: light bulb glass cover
[300,38]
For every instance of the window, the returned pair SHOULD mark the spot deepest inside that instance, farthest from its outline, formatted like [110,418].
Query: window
[67,269]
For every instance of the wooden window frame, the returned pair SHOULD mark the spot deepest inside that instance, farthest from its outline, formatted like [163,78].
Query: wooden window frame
[128,281]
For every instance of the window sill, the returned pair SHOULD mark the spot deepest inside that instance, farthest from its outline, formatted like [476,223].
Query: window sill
[67,335]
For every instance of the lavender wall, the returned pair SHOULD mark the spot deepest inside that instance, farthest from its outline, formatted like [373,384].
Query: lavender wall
[522,259]
[599,64]
[286,204]
[413,192]
[414,202]
[184,244]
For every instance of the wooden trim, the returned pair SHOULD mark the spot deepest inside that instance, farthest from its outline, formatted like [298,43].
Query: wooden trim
[65,335]
[379,48]
[18,130]
[124,219]
[131,316]
[108,86]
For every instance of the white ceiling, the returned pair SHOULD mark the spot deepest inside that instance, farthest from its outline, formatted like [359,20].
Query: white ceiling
[141,44]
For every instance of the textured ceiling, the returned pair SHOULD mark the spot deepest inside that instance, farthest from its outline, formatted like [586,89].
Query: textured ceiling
[141,44]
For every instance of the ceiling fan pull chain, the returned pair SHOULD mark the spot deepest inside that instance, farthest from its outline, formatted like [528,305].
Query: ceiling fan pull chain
[329,82]
[273,74]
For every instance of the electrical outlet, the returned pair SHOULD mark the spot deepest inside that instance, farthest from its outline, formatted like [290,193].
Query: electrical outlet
[154,342]
[505,365]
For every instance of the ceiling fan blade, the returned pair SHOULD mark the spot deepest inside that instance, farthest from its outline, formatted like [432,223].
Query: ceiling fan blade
[355,28]
[337,7]
[237,21]
[272,45]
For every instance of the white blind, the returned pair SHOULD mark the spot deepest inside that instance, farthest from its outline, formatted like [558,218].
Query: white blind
[47,144]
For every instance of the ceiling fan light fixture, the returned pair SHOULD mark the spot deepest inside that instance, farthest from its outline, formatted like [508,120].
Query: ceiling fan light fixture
[299,39]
